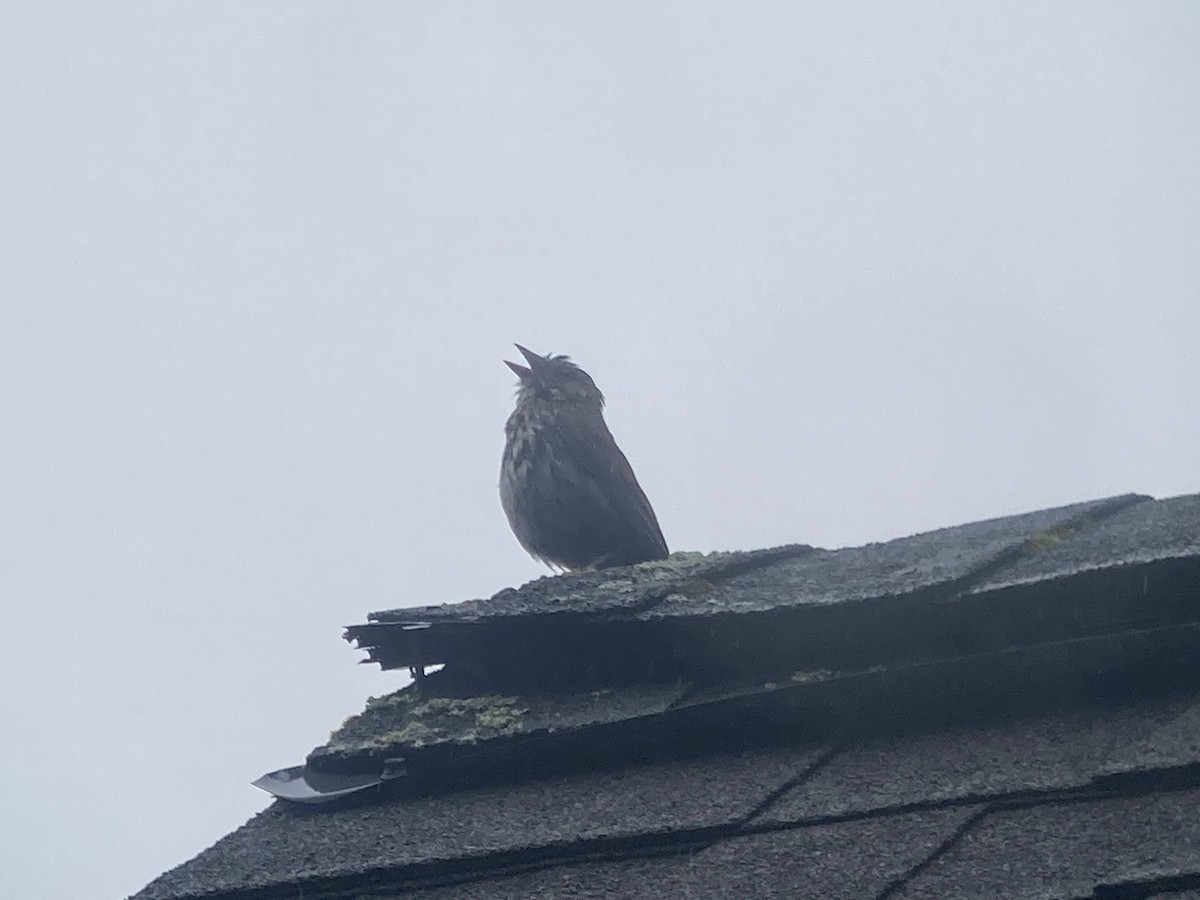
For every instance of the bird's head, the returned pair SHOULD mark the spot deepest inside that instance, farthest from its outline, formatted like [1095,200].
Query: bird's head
[555,379]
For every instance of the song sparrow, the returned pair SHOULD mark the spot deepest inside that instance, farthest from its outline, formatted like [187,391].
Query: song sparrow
[568,491]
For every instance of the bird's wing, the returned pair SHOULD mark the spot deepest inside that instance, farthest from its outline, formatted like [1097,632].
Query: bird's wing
[608,489]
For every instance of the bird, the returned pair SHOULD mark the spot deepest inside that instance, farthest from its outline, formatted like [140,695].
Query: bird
[568,491]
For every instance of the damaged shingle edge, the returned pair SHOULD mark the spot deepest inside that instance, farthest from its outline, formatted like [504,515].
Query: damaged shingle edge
[699,577]
[399,638]
[677,574]
[826,702]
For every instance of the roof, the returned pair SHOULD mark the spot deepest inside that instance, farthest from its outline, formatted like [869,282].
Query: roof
[1006,708]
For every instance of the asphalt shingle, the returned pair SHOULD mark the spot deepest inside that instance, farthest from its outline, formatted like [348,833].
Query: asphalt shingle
[406,720]
[608,590]
[1052,751]
[946,557]
[850,860]
[1139,534]
[287,844]
[1068,849]
[693,584]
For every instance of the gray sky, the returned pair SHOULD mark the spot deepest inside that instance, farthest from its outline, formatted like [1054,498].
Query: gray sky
[845,272]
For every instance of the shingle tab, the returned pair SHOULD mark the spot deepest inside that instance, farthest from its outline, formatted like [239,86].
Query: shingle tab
[580,593]
[847,861]
[1052,751]
[600,614]
[946,557]
[407,720]
[1174,742]
[1069,849]
[1141,533]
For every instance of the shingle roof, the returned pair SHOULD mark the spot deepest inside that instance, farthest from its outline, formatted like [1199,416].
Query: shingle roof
[960,713]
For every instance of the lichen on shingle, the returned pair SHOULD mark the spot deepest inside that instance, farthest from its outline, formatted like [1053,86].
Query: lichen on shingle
[405,719]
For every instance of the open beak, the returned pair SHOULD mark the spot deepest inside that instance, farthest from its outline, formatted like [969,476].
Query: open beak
[523,373]
[530,357]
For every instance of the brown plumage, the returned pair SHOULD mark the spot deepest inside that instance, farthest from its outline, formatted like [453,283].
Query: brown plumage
[568,491]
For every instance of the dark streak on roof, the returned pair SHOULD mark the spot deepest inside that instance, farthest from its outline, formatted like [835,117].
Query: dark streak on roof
[967,712]
[1136,535]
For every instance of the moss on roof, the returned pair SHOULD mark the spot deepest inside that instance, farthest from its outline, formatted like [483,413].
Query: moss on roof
[407,719]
